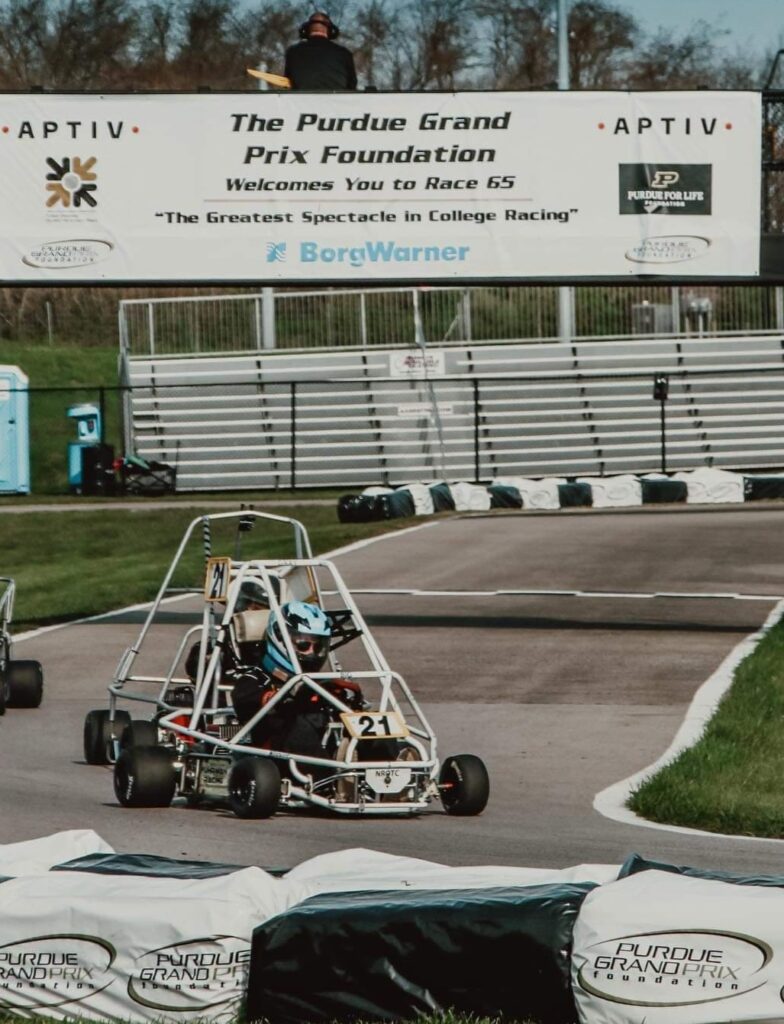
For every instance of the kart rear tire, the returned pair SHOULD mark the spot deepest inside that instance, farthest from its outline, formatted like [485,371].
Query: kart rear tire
[464,785]
[99,732]
[145,777]
[254,787]
[24,684]
[139,733]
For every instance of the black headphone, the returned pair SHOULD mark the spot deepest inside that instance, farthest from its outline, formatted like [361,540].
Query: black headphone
[321,18]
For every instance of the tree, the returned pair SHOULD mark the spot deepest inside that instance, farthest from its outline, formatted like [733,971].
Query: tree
[75,44]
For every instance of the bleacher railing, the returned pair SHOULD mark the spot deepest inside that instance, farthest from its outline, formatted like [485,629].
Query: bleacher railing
[356,418]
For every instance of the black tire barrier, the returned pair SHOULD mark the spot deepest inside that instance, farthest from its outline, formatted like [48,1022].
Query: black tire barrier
[395,955]
[654,490]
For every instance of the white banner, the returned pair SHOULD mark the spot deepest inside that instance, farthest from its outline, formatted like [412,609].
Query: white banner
[362,187]
[656,948]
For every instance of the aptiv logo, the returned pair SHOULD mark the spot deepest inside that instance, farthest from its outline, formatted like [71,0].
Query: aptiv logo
[71,182]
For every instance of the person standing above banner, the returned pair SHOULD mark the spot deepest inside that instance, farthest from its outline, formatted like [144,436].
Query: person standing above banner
[317,62]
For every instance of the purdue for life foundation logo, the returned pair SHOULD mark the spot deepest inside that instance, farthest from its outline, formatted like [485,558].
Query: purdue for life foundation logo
[71,183]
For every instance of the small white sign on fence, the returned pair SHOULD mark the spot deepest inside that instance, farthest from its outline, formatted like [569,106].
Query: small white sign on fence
[417,410]
[417,364]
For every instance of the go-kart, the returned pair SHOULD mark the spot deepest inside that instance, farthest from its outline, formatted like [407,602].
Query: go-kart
[21,680]
[377,752]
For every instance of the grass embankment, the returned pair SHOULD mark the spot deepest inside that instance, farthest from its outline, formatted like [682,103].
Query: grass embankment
[732,780]
[72,564]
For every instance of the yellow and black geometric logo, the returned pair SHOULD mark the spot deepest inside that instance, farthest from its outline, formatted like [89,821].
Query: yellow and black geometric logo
[70,182]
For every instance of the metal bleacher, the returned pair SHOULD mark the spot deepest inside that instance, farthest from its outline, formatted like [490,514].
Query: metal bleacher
[325,418]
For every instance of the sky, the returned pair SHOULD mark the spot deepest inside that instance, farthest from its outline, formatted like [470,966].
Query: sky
[754,25]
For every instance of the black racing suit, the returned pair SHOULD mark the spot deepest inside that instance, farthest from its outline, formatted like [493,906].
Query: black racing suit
[319,63]
[298,723]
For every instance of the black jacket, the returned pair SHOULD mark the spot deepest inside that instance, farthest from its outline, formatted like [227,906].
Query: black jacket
[318,63]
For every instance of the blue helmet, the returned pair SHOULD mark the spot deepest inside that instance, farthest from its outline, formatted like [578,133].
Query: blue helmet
[309,630]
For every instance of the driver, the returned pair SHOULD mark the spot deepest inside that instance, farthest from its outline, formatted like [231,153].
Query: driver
[298,723]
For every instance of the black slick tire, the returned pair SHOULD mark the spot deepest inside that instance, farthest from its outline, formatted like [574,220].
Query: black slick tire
[254,787]
[464,785]
[145,777]
[139,733]
[24,684]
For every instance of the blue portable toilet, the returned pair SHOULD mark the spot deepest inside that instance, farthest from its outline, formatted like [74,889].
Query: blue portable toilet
[14,431]
[88,432]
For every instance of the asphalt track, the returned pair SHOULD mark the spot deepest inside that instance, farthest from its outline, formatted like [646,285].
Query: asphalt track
[562,696]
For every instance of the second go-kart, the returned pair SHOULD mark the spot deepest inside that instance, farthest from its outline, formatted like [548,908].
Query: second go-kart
[21,680]
[337,730]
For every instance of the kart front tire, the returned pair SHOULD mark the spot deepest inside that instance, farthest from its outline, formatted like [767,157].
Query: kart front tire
[24,684]
[145,777]
[254,787]
[99,732]
[464,785]
[139,733]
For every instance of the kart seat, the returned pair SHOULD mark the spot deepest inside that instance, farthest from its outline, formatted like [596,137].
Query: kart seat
[250,625]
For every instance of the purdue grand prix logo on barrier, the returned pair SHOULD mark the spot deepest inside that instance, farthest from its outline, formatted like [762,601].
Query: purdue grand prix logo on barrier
[674,968]
[197,975]
[45,971]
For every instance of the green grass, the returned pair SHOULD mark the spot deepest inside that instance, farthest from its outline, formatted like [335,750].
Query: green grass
[72,564]
[732,780]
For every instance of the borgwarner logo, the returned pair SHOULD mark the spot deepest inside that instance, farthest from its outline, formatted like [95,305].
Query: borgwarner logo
[68,253]
[668,249]
[674,968]
[382,252]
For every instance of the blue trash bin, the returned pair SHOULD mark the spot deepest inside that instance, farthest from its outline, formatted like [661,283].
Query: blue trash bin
[88,431]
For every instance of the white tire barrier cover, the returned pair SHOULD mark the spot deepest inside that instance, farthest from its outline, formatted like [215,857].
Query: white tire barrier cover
[393,955]
[132,948]
[712,486]
[658,947]
[360,869]
[36,856]
[614,491]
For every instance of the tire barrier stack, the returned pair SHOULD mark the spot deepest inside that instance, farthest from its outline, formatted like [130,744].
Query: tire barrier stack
[700,487]
[360,935]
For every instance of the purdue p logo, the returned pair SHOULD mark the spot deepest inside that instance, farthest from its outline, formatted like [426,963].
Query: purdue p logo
[664,179]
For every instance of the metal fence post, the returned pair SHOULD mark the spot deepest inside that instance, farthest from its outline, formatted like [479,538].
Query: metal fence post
[779,300]
[565,314]
[475,382]
[293,423]
[268,314]
[466,311]
[363,319]
[675,301]
[151,327]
